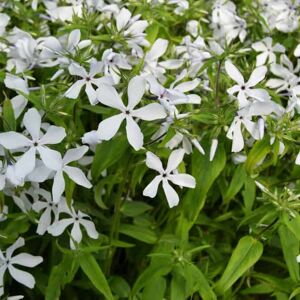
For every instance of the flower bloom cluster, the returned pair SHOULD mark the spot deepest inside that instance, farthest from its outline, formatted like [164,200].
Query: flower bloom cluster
[130,82]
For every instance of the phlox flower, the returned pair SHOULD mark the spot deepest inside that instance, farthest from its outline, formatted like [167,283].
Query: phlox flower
[107,95]
[244,89]
[166,175]
[8,260]
[76,219]
[37,143]
[89,80]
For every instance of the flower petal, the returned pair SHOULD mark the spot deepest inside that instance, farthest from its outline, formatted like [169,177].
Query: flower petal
[77,176]
[76,234]
[90,228]
[185,180]
[91,93]
[59,227]
[58,186]
[153,162]
[26,163]
[74,90]
[26,260]
[108,96]
[53,135]
[51,158]
[175,159]
[171,194]
[13,140]
[32,122]
[136,90]
[75,154]
[259,94]
[77,70]
[150,112]
[109,127]
[151,189]
[257,76]
[134,134]
[22,277]
[234,73]
[157,50]
[16,83]
[123,18]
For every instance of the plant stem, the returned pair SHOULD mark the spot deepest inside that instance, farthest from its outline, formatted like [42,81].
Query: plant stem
[217,98]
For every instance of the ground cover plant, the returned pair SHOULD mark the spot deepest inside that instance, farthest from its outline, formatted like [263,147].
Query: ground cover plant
[149,149]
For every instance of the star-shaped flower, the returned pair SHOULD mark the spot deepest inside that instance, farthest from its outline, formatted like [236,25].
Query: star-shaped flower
[109,127]
[166,175]
[7,262]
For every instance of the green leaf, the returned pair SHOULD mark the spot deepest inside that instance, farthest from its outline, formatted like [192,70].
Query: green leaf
[178,284]
[140,233]
[245,255]
[154,270]
[249,194]
[202,284]
[236,183]
[108,153]
[9,121]
[93,271]
[157,287]
[293,225]
[152,32]
[290,248]
[205,173]
[119,286]
[257,154]
[134,208]
[295,293]
[60,275]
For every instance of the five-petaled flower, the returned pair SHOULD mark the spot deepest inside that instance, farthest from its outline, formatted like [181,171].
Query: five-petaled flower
[109,127]
[166,175]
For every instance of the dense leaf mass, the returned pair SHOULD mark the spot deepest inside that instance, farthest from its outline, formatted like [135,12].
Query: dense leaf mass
[149,149]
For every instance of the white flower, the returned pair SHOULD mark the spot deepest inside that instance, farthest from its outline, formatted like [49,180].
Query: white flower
[76,219]
[297,51]
[8,261]
[132,29]
[166,175]
[213,149]
[176,93]
[74,173]
[57,50]
[88,79]
[244,89]
[109,127]
[16,83]
[265,46]
[49,207]
[23,51]
[235,132]
[158,69]
[4,19]
[13,140]
[186,143]
[111,63]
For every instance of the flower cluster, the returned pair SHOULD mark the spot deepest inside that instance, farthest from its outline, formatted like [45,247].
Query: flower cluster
[98,95]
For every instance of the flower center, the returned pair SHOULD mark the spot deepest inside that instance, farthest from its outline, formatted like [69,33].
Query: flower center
[88,79]
[243,87]
[164,175]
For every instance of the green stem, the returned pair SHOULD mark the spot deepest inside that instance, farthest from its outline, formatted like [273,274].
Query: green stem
[217,98]
[114,231]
